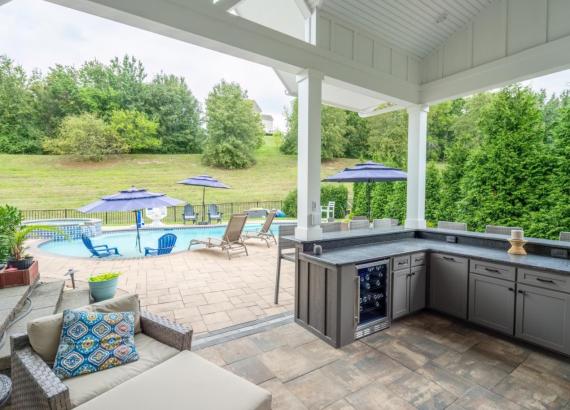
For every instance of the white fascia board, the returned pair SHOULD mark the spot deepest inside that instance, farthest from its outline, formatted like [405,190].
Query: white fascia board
[201,23]
[227,4]
[374,112]
[537,61]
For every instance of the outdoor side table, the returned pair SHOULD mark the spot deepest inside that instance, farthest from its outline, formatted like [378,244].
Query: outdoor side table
[5,389]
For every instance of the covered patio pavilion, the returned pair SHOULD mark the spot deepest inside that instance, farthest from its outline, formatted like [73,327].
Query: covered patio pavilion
[376,56]
[367,56]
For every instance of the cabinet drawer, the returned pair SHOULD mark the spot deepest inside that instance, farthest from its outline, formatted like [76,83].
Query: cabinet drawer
[418,259]
[401,262]
[493,269]
[544,279]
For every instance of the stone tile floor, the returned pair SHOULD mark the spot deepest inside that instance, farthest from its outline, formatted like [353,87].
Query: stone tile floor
[425,361]
[199,287]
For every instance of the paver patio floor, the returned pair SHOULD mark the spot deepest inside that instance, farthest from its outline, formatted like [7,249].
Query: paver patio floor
[200,287]
[425,361]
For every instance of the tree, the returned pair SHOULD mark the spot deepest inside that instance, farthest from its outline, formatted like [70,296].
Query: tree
[137,131]
[440,129]
[234,129]
[507,176]
[356,135]
[19,131]
[169,101]
[57,96]
[333,131]
[87,138]
[388,138]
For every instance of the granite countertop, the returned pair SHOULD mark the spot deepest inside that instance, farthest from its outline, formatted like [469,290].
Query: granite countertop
[369,252]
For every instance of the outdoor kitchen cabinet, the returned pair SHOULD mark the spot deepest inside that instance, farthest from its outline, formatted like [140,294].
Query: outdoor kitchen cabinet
[408,291]
[492,303]
[448,284]
[543,317]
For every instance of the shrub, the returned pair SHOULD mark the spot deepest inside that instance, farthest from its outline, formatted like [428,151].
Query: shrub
[86,137]
[103,277]
[336,193]
[136,130]
[10,220]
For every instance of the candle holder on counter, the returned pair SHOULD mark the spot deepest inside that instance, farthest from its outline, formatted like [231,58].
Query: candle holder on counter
[517,242]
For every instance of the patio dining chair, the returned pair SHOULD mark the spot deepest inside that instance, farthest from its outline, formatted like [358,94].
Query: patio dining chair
[99,251]
[214,213]
[264,233]
[284,247]
[565,236]
[328,210]
[165,245]
[231,242]
[500,230]
[188,214]
[452,226]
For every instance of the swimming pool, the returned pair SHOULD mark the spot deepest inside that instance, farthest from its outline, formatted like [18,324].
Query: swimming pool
[125,241]
[71,228]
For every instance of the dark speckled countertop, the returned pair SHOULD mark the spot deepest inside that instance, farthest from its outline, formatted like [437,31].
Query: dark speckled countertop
[369,252]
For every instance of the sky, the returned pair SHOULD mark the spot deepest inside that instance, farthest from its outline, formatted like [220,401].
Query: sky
[38,35]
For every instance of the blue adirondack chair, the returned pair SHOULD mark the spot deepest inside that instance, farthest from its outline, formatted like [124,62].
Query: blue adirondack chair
[99,251]
[189,214]
[214,213]
[165,245]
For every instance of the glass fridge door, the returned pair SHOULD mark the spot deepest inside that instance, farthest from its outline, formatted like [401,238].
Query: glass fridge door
[373,298]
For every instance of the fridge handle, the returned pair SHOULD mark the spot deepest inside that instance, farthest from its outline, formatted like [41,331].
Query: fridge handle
[357,301]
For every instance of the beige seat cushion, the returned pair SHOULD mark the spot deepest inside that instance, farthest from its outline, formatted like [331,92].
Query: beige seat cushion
[44,332]
[186,381]
[151,353]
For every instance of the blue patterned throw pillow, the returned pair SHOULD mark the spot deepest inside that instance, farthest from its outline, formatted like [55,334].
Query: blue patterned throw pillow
[93,341]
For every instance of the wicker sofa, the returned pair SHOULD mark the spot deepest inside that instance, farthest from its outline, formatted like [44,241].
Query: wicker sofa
[166,372]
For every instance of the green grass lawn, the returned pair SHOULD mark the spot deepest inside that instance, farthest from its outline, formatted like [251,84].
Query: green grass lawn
[53,182]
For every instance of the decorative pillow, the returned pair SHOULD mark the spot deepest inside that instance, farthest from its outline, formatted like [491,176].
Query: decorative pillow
[93,341]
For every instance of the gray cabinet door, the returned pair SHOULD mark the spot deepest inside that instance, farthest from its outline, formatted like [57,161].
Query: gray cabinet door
[543,317]
[448,277]
[492,303]
[418,288]
[400,295]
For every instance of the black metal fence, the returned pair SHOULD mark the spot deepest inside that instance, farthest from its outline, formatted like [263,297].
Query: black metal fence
[128,218]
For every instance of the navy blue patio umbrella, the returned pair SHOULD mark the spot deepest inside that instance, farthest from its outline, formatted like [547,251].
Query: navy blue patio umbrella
[205,181]
[368,172]
[134,200]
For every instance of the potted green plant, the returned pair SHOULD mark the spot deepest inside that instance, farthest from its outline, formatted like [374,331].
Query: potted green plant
[104,285]
[18,258]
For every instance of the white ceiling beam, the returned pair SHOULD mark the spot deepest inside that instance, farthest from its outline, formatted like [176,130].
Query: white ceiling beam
[379,111]
[201,23]
[304,8]
[534,62]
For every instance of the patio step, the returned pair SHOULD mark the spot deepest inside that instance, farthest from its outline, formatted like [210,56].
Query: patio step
[44,298]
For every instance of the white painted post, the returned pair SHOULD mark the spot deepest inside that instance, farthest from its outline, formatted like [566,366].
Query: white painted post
[309,156]
[417,144]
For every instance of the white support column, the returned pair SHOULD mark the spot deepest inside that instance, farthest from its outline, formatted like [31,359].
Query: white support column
[417,144]
[309,156]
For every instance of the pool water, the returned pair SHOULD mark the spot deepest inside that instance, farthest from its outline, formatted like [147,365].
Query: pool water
[125,241]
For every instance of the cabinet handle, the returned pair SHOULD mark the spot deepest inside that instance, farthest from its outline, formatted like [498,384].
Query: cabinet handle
[511,290]
[522,292]
[449,258]
[545,280]
[493,270]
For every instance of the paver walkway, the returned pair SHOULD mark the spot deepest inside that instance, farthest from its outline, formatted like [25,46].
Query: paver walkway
[425,361]
[201,287]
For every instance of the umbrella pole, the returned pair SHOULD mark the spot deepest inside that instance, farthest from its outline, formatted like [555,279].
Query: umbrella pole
[369,198]
[138,218]
[203,204]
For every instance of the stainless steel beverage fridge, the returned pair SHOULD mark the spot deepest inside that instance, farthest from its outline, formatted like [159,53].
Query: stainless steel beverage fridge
[373,297]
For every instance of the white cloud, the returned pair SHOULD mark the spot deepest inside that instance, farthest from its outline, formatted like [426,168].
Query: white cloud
[38,35]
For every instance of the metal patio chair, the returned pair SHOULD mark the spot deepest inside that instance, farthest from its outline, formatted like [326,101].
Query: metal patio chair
[231,242]
[283,245]
[452,226]
[500,230]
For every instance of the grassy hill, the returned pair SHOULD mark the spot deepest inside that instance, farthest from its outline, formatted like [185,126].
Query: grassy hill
[52,182]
